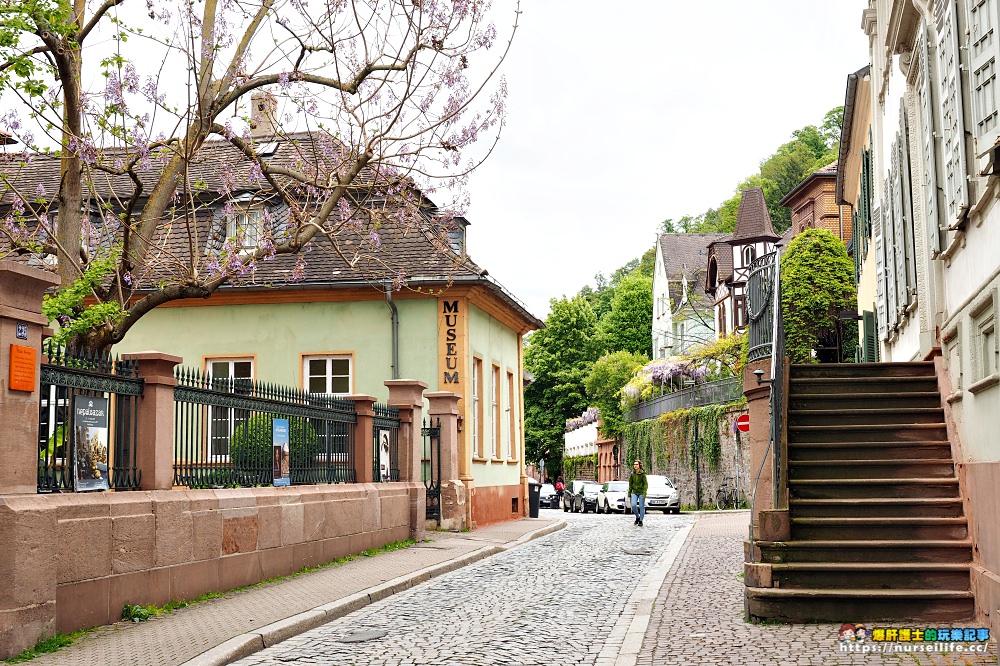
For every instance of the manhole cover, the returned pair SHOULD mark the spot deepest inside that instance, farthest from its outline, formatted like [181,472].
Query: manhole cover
[362,636]
[636,551]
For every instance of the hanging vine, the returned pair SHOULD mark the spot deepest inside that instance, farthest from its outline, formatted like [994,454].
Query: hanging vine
[672,436]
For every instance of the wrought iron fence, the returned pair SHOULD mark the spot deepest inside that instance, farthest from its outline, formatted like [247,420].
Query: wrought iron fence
[430,466]
[709,393]
[385,439]
[760,305]
[87,421]
[236,432]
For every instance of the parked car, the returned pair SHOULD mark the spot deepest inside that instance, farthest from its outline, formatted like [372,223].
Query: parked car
[548,498]
[662,494]
[573,495]
[613,496]
[590,490]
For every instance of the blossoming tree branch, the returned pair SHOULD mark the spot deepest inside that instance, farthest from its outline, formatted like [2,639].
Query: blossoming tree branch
[135,134]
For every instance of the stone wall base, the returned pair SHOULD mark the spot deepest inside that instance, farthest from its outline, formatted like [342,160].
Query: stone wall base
[78,559]
[496,504]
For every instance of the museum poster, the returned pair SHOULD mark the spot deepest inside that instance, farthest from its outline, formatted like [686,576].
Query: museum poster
[90,428]
[279,438]
[383,455]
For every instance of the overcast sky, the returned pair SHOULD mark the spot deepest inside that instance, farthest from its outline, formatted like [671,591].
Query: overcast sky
[622,115]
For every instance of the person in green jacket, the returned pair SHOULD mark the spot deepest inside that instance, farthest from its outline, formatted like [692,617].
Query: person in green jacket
[638,484]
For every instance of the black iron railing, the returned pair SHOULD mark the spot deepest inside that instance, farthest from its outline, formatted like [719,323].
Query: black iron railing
[385,439]
[236,432]
[709,393]
[430,466]
[760,305]
[87,421]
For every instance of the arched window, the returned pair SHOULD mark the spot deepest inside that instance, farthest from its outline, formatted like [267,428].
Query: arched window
[713,273]
[749,254]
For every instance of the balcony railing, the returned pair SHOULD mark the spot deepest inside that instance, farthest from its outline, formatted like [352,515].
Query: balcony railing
[710,393]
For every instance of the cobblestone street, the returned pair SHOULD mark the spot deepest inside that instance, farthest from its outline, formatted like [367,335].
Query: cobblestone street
[698,616]
[556,600]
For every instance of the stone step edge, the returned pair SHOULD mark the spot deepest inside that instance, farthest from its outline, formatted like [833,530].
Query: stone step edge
[907,481]
[842,592]
[872,461]
[866,543]
[888,521]
[866,566]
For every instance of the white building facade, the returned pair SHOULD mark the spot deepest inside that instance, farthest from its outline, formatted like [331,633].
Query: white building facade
[934,251]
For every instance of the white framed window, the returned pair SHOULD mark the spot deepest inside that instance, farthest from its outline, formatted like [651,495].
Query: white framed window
[983,44]
[234,375]
[512,438]
[495,430]
[328,375]
[247,227]
[477,407]
[983,345]
[749,254]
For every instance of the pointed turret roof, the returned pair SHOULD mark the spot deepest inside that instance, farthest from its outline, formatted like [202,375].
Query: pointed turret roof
[753,222]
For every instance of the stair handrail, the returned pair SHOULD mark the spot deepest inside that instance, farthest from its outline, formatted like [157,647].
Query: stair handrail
[777,351]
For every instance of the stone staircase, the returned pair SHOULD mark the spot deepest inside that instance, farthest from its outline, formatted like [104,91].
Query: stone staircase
[875,526]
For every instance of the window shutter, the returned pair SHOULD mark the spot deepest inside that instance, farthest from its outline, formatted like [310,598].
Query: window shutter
[889,247]
[929,179]
[906,192]
[982,71]
[952,122]
[856,240]
[898,248]
[869,340]
[880,304]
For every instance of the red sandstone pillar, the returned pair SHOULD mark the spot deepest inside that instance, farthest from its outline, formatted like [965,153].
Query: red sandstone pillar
[443,405]
[407,396]
[364,451]
[155,419]
[769,519]
[21,324]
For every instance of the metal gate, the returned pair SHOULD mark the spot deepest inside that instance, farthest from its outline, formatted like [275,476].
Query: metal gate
[385,439]
[64,445]
[430,466]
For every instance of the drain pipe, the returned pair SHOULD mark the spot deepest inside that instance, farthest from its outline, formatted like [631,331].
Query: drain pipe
[395,330]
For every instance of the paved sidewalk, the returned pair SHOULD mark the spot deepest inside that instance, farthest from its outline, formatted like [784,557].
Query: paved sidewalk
[221,630]
[698,615]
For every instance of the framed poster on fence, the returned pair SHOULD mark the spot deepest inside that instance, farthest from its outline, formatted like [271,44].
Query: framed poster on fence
[383,455]
[90,428]
[279,439]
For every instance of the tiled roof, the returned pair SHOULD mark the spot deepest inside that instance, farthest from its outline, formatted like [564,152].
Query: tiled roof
[417,254]
[829,171]
[687,254]
[753,222]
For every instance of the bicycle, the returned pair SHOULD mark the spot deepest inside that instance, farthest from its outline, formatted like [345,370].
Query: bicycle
[728,496]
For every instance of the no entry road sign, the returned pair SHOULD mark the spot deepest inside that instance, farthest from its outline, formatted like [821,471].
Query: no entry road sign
[743,423]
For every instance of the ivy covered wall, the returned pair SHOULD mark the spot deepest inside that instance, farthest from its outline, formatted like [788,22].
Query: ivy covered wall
[689,443]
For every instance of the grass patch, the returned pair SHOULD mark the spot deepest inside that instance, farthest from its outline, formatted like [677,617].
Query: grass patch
[47,646]
[141,613]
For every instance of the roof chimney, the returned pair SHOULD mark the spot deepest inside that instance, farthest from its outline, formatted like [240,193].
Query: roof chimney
[263,106]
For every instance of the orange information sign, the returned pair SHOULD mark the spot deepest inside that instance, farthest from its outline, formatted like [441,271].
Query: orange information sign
[22,368]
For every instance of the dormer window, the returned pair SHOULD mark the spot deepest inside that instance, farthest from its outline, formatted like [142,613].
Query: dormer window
[246,227]
[456,235]
[749,254]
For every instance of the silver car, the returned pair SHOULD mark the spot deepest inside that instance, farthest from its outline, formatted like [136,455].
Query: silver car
[662,495]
